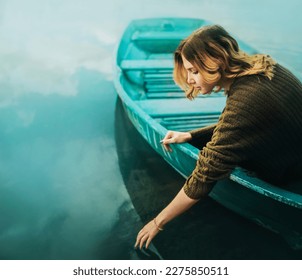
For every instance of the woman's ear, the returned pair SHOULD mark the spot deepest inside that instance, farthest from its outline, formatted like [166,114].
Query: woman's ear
[217,88]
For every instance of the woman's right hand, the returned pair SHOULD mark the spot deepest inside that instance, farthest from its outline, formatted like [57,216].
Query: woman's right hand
[175,137]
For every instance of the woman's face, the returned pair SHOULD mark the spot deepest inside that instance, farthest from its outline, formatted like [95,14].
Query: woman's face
[195,79]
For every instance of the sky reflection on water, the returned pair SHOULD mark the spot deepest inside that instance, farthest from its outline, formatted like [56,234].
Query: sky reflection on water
[58,163]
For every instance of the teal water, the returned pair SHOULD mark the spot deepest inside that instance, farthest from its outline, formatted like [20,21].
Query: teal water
[67,186]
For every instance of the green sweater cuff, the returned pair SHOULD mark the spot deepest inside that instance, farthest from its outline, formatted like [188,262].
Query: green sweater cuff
[195,189]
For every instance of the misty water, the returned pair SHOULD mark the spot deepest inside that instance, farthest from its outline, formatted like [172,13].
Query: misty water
[76,179]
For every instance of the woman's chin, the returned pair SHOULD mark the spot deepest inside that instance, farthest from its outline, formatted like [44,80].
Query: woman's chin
[205,92]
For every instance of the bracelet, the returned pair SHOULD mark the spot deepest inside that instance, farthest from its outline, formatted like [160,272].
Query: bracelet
[159,228]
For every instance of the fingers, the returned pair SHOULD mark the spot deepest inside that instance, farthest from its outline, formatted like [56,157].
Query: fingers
[174,137]
[138,238]
[148,242]
[168,139]
[169,135]
[146,235]
[143,238]
[166,146]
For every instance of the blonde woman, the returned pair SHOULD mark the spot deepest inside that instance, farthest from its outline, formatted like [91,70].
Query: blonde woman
[260,128]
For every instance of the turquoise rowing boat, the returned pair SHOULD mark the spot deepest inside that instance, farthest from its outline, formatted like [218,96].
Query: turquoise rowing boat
[155,104]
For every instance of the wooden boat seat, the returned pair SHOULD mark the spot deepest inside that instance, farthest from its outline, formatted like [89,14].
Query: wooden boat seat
[159,35]
[166,107]
[157,76]
[154,64]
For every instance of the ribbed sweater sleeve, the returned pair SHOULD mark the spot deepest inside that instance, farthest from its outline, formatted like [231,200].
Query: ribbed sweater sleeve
[248,132]
[202,132]
[219,157]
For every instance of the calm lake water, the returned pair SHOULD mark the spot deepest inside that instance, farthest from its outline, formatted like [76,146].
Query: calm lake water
[76,179]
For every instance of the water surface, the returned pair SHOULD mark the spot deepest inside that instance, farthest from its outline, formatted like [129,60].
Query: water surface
[76,181]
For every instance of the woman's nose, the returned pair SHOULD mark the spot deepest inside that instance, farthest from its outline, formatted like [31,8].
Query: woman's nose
[190,80]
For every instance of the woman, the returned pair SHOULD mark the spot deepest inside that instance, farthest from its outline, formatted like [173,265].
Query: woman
[260,128]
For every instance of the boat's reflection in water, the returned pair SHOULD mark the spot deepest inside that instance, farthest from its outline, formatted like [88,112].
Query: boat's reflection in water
[208,230]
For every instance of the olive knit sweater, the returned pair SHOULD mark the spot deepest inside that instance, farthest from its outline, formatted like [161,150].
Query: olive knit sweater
[260,129]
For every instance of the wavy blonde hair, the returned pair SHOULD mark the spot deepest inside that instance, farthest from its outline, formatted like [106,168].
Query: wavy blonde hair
[216,55]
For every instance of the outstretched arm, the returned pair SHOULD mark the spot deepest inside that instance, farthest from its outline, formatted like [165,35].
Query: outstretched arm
[180,203]
[177,206]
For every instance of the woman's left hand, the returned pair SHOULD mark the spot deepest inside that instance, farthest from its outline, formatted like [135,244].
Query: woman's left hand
[146,234]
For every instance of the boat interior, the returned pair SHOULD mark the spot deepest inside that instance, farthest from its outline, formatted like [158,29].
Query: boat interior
[150,83]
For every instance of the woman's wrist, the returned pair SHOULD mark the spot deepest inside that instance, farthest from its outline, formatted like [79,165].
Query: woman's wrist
[187,136]
[157,226]
[160,220]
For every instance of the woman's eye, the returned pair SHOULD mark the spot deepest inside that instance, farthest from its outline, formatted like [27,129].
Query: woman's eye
[195,72]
